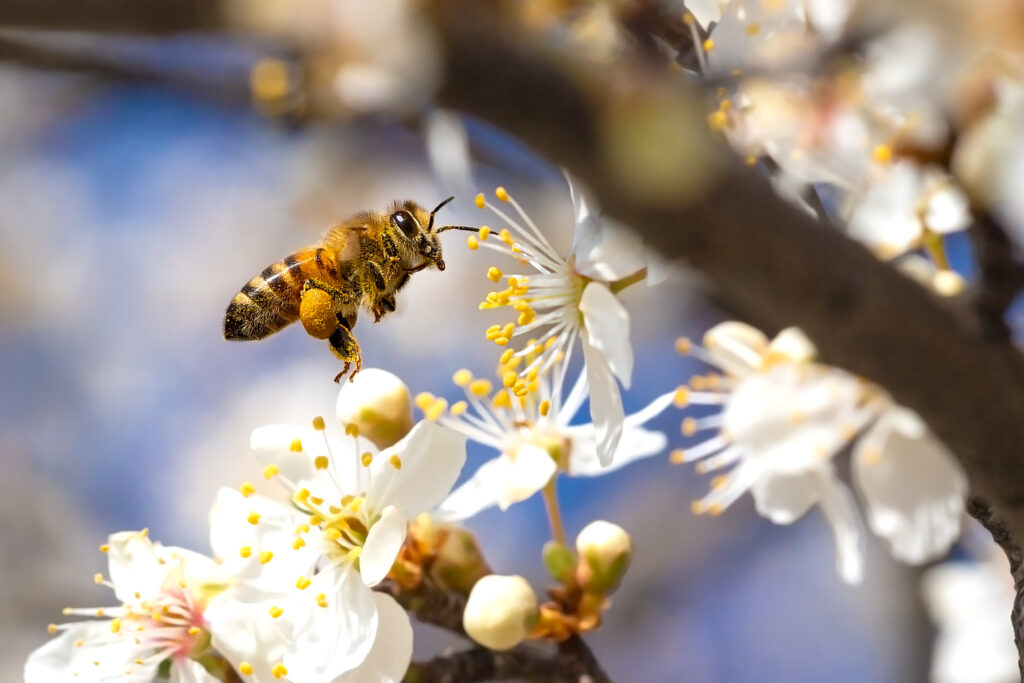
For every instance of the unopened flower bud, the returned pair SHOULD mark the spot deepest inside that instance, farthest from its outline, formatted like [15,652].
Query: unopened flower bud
[559,561]
[500,612]
[459,564]
[605,550]
[378,404]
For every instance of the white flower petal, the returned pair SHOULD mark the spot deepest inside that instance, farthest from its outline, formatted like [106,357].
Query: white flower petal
[737,347]
[382,544]
[528,471]
[272,444]
[841,511]
[391,653]
[913,488]
[605,404]
[478,493]
[60,659]
[431,458]
[948,211]
[607,327]
[603,251]
[244,632]
[184,670]
[785,498]
[886,217]
[134,566]
[636,443]
[335,639]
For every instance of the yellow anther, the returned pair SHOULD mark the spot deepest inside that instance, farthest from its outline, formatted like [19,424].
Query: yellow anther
[508,330]
[354,553]
[51,629]
[484,233]
[501,341]
[480,201]
[423,400]
[97,578]
[247,489]
[682,397]
[882,154]
[545,407]
[301,496]
[395,461]
[516,249]
[506,356]
[297,543]
[316,500]
[718,120]
[505,236]
[436,410]
[104,548]
[245,668]
[753,29]
[321,600]
[501,194]
[459,408]
[526,317]
[492,333]
[472,242]
[697,507]
[245,551]
[80,642]
[271,471]
[315,520]
[100,612]
[266,556]
[720,482]
[332,534]
[318,423]
[194,631]
[481,387]
[366,458]
[715,509]
[462,377]
[254,518]
[698,382]
[725,105]
[750,160]
[689,427]
[352,429]
[509,379]
[502,400]
[683,346]
[677,457]
[302,528]
[688,19]
[709,45]
[276,611]
[302,583]
[115,625]
[321,462]
[550,342]
[295,446]
[493,274]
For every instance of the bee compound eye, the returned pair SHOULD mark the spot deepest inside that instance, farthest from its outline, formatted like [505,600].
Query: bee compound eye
[404,222]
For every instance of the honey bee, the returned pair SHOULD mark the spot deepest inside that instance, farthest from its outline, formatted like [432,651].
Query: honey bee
[363,262]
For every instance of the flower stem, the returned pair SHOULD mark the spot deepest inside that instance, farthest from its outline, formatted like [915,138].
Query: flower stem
[936,249]
[554,513]
[636,277]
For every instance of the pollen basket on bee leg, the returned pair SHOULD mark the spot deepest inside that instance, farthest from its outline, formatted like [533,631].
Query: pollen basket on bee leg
[316,311]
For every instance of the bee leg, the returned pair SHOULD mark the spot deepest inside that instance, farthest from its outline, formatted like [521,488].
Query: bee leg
[390,249]
[385,305]
[345,347]
[377,273]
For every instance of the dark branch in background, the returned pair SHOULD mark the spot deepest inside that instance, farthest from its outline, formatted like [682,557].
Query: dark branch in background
[114,16]
[1001,277]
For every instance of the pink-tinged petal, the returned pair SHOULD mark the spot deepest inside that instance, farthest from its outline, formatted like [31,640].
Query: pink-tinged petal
[184,670]
[913,488]
[382,545]
[478,493]
[606,411]
[427,463]
[335,639]
[841,512]
[607,329]
[391,653]
[60,659]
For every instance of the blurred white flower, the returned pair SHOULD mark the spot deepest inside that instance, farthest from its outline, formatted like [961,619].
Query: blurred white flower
[970,605]
[534,437]
[165,595]
[784,418]
[318,554]
[570,296]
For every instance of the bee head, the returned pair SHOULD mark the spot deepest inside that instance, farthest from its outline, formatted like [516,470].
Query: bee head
[417,225]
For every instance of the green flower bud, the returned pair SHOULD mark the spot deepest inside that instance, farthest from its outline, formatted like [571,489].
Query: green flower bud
[605,550]
[559,561]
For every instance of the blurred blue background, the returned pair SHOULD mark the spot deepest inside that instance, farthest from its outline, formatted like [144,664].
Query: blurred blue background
[129,217]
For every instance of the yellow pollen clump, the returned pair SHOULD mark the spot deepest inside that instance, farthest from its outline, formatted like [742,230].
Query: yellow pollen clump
[321,600]
[51,629]
[321,462]
[245,551]
[97,578]
[297,543]
[484,233]
[545,407]
[271,471]
[295,446]
[481,387]
[245,668]
[104,548]
[683,346]
[254,518]
[462,377]
[480,201]
[302,583]
[501,194]
[115,625]
[318,423]
[459,408]
[247,489]
[472,243]
[276,611]
[493,274]
[689,427]
[436,410]
[366,458]
[682,397]
[677,456]
[266,556]
[709,45]
[882,154]
[395,461]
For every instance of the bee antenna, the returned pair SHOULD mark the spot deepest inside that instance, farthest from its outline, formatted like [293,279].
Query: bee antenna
[457,227]
[430,224]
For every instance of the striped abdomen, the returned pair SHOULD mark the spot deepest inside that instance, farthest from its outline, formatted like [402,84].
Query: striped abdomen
[270,301]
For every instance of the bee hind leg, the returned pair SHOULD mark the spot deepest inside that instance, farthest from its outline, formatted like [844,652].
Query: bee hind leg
[345,347]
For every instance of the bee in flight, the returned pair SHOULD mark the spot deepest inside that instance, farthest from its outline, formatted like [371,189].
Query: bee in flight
[363,262]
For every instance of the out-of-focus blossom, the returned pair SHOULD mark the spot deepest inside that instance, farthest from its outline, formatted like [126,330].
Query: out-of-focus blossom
[569,297]
[500,612]
[970,605]
[318,554]
[784,419]
[533,435]
[166,594]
